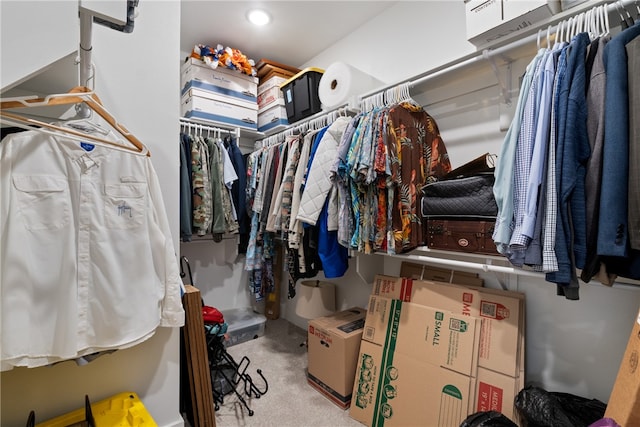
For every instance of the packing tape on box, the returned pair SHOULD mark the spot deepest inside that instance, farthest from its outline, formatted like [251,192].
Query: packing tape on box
[341,83]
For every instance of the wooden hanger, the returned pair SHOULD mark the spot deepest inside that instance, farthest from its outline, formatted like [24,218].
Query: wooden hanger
[76,95]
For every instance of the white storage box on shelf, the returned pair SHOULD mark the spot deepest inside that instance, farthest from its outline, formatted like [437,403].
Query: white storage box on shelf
[273,117]
[243,325]
[222,81]
[202,104]
[268,98]
[274,81]
[491,20]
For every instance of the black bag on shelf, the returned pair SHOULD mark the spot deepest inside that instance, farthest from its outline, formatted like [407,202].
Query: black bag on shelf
[465,192]
[460,197]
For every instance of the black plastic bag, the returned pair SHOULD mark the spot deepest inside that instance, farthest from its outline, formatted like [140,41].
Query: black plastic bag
[487,419]
[540,408]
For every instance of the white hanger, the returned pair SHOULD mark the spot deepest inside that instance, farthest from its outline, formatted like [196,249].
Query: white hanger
[77,95]
[538,38]
[605,16]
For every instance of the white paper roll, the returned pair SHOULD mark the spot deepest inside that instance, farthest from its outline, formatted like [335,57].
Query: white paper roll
[341,83]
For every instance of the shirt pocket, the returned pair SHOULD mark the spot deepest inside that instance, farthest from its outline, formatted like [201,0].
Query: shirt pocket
[43,201]
[124,205]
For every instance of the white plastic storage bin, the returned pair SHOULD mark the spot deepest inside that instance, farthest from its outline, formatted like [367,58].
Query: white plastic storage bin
[222,81]
[273,118]
[209,106]
[243,325]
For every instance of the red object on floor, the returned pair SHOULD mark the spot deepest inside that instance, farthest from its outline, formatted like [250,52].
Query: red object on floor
[211,315]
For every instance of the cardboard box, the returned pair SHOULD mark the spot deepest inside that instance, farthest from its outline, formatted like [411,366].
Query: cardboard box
[425,272]
[502,313]
[431,335]
[394,389]
[496,392]
[210,106]
[273,118]
[491,20]
[275,81]
[624,402]
[334,342]
[269,98]
[221,81]
[521,325]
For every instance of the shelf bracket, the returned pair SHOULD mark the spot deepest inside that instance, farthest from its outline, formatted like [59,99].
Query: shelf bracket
[366,271]
[505,87]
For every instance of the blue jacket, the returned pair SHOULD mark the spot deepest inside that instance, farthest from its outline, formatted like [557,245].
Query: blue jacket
[572,153]
[612,224]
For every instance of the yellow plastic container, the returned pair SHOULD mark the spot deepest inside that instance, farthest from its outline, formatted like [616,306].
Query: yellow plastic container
[121,410]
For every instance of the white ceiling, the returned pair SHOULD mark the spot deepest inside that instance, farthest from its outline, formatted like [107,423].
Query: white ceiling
[299,30]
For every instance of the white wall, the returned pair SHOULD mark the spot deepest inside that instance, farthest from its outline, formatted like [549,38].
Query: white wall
[219,273]
[403,41]
[138,82]
[20,43]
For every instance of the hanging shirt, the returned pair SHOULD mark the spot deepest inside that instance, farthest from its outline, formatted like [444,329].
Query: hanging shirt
[549,260]
[218,226]
[522,168]
[535,207]
[202,199]
[595,132]
[87,262]
[503,186]
[572,153]
[238,186]
[633,64]
[295,226]
[186,211]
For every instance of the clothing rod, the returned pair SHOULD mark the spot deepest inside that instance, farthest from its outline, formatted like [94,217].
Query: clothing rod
[300,124]
[469,264]
[475,57]
[188,122]
[619,283]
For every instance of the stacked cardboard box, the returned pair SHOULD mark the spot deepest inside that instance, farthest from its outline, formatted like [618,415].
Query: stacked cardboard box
[427,272]
[462,346]
[272,115]
[624,402]
[219,95]
[333,343]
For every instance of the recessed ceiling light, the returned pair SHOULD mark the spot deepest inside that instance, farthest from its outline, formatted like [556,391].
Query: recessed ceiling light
[258,17]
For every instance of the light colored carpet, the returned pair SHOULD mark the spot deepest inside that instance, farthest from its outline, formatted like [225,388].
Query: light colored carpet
[290,401]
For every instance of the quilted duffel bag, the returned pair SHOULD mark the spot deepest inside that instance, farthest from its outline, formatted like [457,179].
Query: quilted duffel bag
[470,197]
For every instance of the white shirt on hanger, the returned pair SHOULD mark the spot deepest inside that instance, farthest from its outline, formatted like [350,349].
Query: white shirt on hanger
[87,262]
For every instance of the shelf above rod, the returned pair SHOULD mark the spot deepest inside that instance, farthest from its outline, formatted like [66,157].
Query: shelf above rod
[200,125]
[485,267]
[490,52]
